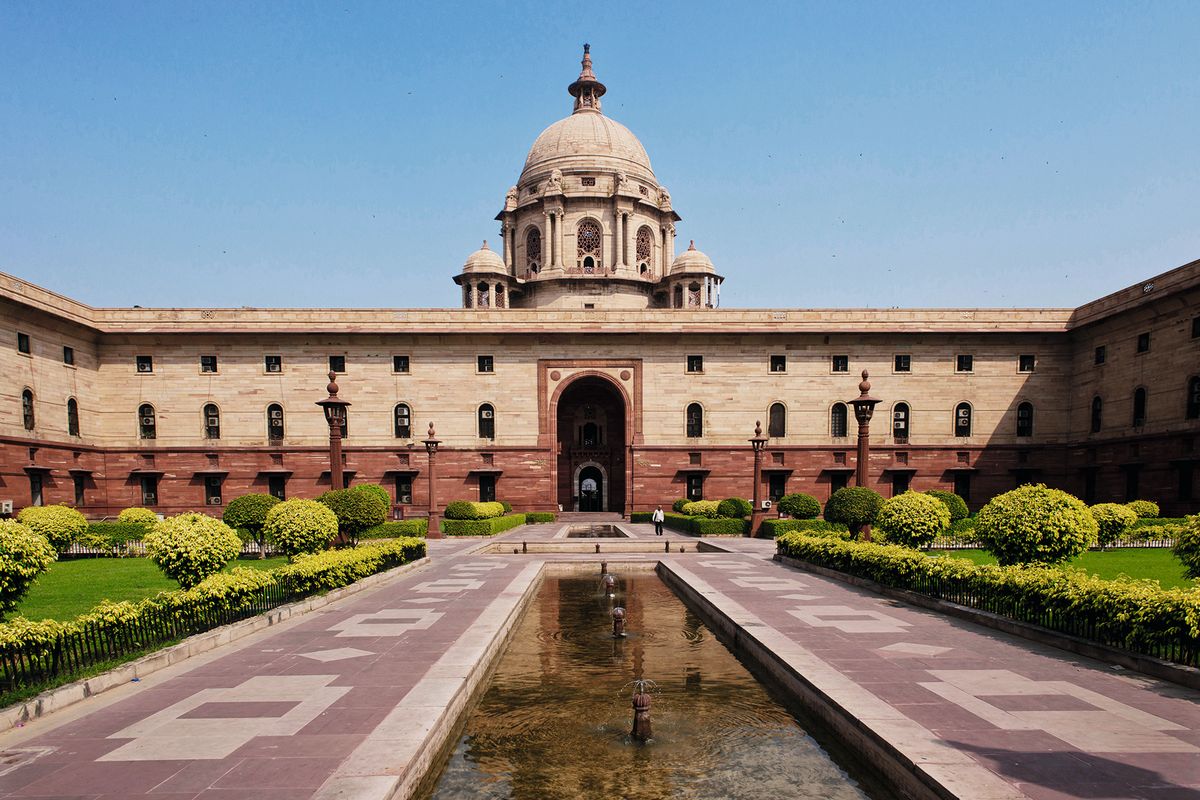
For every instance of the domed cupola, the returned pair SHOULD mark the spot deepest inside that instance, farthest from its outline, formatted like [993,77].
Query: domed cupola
[694,282]
[485,280]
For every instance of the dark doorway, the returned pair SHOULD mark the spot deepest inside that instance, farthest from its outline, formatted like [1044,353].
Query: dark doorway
[591,489]
[591,435]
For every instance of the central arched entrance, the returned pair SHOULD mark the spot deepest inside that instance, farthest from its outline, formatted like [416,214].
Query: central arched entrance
[590,433]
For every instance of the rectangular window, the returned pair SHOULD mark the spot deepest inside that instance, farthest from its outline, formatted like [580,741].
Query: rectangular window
[485,364]
[404,492]
[962,485]
[277,486]
[1089,487]
[1101,354]
[695,363]
[68,355]
[212,490]
[776,486]
[273,363]
[337,364]
[900,481]
[400,365]
[35,489]
[149,490]
[1026,363]
[778,363]
[1143,344]
[145,364]
[695,487]
[841,363]
[23,344]
[1187,481]
[80,485]
[964,363]
[1196,327]
[487,488]
[208,363]
[1132,475]
[838,480]
[902,363]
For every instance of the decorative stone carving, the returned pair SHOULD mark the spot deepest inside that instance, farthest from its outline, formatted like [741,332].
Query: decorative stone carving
[510,199]
[664,199]
[554,184]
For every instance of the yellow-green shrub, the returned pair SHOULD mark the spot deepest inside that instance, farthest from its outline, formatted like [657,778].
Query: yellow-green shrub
[1143,508]
[61,525]
[190,547]
[702,508]
[912,519]
[137,516]
[1187,548]
[467,509]
[23,556]
[300,526]
[1113,520]
[1034,524]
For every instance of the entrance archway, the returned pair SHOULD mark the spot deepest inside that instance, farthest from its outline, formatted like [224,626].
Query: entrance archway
[591,445]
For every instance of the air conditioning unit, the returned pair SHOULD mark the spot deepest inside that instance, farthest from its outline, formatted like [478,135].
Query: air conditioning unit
[486,414]
[147,420]
[143,367]
[214,422]
[766,505]
[214,501]
[274,368]
[5,506]
[151,500]
[276,422]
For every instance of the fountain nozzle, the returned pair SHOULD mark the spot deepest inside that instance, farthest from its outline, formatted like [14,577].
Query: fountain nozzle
[610,584]
[641,712]
[618,618]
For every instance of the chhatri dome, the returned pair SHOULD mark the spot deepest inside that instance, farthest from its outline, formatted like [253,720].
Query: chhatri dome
[588,225]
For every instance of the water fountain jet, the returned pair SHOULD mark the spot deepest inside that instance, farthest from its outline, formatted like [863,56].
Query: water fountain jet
[641,731]
[618,618]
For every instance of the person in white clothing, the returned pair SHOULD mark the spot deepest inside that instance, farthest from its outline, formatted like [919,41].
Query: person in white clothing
[657,518]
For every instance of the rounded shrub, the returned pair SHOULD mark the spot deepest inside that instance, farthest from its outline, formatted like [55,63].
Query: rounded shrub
[678,505]
[137,516]
[1034,524]
[356,509]
[912,519]
[701,508]
[377,491]
[465,509]
[734,508]
[190,547]
[249,513]
[1113,520]
[1143,508]
[955,504]
[1187,548]
[507,506]
[799,506]
[853,505]
[61,525]
[301,526]
[23,556]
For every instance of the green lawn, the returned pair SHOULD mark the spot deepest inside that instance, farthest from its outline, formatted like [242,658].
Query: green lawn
[1157,563]
[71,588]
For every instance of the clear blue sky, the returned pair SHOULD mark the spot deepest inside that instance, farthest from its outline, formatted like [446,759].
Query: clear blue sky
[823,154]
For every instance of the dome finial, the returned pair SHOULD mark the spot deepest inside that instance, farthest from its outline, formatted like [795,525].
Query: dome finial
[691,244]
[586,89]
[485,247]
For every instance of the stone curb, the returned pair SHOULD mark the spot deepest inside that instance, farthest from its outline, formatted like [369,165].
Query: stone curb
[1147,665]
[62,697]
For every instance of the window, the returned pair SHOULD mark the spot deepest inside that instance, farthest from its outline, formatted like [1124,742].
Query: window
[1193,398]
[212,490]
[777,420]
[644,248]
[1196,327]
[400,365]
[695,363]
[838,417]
[72,417]
[1089,486]
[1132,479]
[962,419]
[273,363]
[149,490]
[677,297]
[1101,354]
[695,421]
[275,423]
[776,486]
[533,250]
[147,428]
[212,422]
[487,488]
[208,363]
[145,364]
[838,480]
[587,181]
[964,363]
[485,364]
[337,364]
[80,482]
[962,485]
[483,295]
[35,489]
[900,482]
[23,344]
[902,363]
[69,356]
[588,238]
[487,422]
[841,363]
[1097,410]
[1143,343]
[695,486]
[1187,481]
[1026,363]
[403,421]
[277,486]
[778,363]
[1025,419]
[900,416]
[27,415]
[1139,408]
[404,493]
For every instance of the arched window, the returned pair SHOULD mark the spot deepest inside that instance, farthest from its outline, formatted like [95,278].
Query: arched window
[499,295]
[1193,398]
[72,417]
[695,421]
[212,421]
[533,250]
[1097,411]
[466,295]
[777,420]
[27,409]
[962,419]
[693,295]
[900,421]
[645,248]
[1139,407]
[482,297]
[838,420]
[588,238]
[1025,419]
[403,421]
[487,422]
[147,427]
[589,435]
[678,294]
[275,422]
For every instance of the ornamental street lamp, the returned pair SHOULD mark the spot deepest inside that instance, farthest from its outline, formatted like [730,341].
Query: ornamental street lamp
[864,407]
[434,530]
[335,414]
[756,512]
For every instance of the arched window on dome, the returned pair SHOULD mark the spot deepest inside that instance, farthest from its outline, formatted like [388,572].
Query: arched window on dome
[466,295]
[693,299]
[533,251]
[588,239]
[677,301]
[500,299]
[483,296]
[645,249]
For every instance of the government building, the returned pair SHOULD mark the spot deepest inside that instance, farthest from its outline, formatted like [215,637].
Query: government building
[592,367]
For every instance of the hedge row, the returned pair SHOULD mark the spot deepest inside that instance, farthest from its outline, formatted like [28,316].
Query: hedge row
[1138,616]
[396,529]
[534,517]
[467,509]
[701,526]
[772,528]
[481,527]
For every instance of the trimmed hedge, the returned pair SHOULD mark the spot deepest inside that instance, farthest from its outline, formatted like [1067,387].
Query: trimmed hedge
[1113,520]
[678,505]
[1034,524]
[702,508]
[534,517]
[481,527]
[248,514]
[112,536]
[300,526]
[1139,616]
[1154,521]
[1143,508]
[853,505]
[190,547]
[61,525]
[799,505]
[954,504]
[912,519]
[734,508]
[1187,549]
[357,509]
[700,526]
[465,509]
[815,527]
[137,516]
[394,530]
[24,555]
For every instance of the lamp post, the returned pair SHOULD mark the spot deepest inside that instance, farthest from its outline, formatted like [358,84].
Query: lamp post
[756,512]
[335,414]
[864,407]
[434,530]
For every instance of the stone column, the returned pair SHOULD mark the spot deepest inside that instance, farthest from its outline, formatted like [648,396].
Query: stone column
[548,241]
[670,256]
[630,247]
[618,251]
[561,256]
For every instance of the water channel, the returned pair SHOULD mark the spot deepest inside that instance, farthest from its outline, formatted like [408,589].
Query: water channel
[555,720]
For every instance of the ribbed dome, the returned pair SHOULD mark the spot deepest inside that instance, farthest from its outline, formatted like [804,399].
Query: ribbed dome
[692,260]
[484,260]
[587,140]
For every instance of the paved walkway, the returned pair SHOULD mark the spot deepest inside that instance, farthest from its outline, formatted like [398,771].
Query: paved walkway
[339,703]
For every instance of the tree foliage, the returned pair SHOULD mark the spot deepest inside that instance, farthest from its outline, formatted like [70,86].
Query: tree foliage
[24,555]
[61,525]
[190,547]
[300,526]
[1034,524]
[913,519]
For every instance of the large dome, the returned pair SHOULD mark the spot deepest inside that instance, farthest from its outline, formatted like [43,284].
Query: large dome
[587,140]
